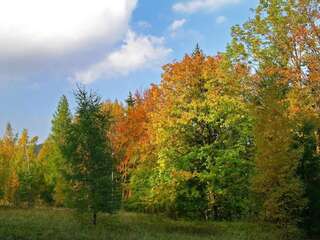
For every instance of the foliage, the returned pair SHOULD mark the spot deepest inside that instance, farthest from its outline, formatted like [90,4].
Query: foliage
[309,169]
[88,154]
[276,183]
[280,45]
[231,136]
[51,153]
[196,130]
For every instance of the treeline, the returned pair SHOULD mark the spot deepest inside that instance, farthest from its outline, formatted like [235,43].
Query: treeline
[74,168]
[234,135]
[231,136]
[22,171]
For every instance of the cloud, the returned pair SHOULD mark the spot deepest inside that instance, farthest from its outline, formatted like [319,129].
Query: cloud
[37,34]
[221,19]
[137,52]
[193,6]
[176,25]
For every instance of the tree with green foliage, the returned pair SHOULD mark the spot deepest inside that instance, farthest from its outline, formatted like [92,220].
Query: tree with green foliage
[130,100]
[61,121]
[197,50]
[52,164]
[52,151]
[280,45]
[88,153]
[201,138]
[29,171]
[309,171]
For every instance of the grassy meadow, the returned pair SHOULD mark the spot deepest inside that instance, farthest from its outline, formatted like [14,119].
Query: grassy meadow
[62,224]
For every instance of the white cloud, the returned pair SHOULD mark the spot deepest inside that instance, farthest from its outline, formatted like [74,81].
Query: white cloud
[177,24]
[221,19]
[192,6]
[33,32]
[137,52]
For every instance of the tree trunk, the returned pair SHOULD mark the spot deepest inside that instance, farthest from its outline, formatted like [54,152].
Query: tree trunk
[94,218]
[318,140]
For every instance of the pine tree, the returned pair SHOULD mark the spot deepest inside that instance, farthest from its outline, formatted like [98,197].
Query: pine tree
[88,151]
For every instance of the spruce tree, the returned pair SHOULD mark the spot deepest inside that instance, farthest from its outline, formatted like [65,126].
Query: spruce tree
[197,51]
[130,100]
[88,152]
[61,124]
[61,121]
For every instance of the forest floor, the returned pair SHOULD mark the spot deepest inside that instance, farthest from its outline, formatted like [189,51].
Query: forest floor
[63,224]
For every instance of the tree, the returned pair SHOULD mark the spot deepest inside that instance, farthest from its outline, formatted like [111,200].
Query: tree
[196,158]
[61,121]
[197,50]
[29,171]
[309,171]
[129,135]
[89,156]
[278,187]
[280,45]
[8,178]
[52,164]
[51,153]
[130,100]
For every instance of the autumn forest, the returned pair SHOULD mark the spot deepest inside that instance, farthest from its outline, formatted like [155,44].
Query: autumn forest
[225,138]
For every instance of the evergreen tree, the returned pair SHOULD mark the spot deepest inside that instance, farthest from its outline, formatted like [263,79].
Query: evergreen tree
[8,135]
[197,51]
[61,121]
[52,164]
[52,152]
[88,152]
[130,100]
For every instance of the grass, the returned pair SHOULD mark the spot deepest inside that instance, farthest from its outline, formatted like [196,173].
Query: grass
[63,224]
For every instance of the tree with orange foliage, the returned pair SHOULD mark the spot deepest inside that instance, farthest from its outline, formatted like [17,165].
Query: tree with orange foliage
[281,43]
[186,120]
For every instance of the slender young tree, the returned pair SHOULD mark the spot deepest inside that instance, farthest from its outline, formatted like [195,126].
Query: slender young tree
[88,152]
[61,121]
[7,149]
[55,161]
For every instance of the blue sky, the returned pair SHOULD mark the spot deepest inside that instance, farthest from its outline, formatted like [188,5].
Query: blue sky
[110,47]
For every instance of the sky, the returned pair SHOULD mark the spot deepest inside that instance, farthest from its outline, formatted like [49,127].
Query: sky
[48,47]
